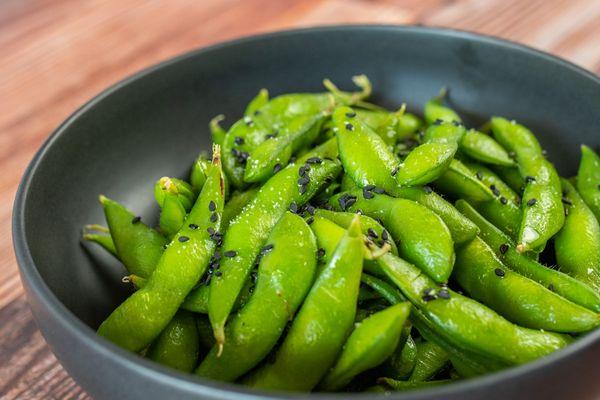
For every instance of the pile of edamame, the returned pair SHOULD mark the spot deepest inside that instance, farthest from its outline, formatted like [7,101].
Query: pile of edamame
[330,244]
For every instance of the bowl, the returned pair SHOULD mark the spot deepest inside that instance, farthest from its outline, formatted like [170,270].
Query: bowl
[155,123]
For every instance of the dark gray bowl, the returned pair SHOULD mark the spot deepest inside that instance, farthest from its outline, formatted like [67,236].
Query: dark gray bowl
[154,124]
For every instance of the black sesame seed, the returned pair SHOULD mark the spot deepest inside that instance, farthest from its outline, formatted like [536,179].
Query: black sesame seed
[310,209]
[276,168]
[303,169]
[529,179]
[495,190]
[503,248]
[321,253]
[379,190]
[351,114]
[210,230]
[369,187]
[428,297]
[303,181]
[217,255]
[531,202]
[230,253]
[214,217]
[367,194]
[567,201]
[294,208]
[429,291]
[183,239]
[479,175]
[444,294]
[310,220]
[267,248]
[427,189]
[349,126]
[438,121]
[193,226]
[302,189]
[371,232]
[503,200]
[238,140]
[212,206]
[165,246]
[346,201]
[314,160]
[500,272]
[135,220]
[384,235]
[395,171]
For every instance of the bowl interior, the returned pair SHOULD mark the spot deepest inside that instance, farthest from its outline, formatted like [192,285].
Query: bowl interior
[155,124]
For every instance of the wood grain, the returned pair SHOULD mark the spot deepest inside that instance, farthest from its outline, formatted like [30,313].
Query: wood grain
[56,54]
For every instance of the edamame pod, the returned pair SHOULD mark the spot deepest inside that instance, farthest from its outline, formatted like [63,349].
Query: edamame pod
[467,323]
[172,215]
[461,228]
[421,235]
[577,244]
[485,149]
[138,246]
[248,232]
[425,164]
[178,269]
[103,239]
[566,286]
[318,332]
[459,181]
[365,156]
[431,358]
[371,342]
[217,134]
[588,179]
[542,209]
[261,98]
[517,298]
[285,274]
[181,189]
[178,345]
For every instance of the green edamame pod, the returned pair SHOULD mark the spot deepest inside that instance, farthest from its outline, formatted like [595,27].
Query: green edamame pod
[425,163]
[217,133]
[370,228]
[365,156]
[459,181]
[178,269]
[180,189]
[235,205]
[503,211]
[249,132]
[371,342]
[431,358]
[566,286]
[461,228]
[476,363]
[261,98]
[273,154]
[285,275]
[421,235]
[467,323]
[542,209]
[322,324]
[329,234]
[138,246]
[517,298]
[577,244]
[172,215]
[248,232]
[435,110]
[402,362]
[178,345]
[588,179]
[485,149]
[400,386]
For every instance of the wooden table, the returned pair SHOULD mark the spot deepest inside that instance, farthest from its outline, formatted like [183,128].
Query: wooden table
[56,54]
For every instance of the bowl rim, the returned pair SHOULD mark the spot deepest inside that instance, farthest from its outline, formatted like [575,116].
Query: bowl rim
[58,312]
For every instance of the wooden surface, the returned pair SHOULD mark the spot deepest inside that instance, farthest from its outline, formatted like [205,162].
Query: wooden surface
[56,54]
